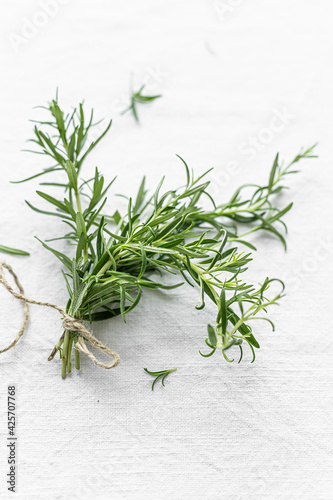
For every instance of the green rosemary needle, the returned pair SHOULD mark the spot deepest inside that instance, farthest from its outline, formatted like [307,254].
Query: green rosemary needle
[12,251]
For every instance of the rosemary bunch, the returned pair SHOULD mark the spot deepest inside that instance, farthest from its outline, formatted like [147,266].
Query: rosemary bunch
[115,255]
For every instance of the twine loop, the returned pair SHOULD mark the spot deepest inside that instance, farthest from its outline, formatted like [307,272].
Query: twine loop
[73,325]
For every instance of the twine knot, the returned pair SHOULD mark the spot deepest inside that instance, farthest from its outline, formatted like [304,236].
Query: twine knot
[73,325]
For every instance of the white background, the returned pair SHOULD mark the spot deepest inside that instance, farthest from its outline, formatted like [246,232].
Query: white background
[216,431]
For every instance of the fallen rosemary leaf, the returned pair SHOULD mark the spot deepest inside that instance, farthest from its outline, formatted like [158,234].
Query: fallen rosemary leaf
[160,375]
[111,257]
[12,251]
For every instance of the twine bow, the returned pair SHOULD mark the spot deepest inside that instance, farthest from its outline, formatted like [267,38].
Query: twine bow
[68,323]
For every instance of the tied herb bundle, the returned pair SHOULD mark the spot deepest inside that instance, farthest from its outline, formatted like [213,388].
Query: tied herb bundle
[117,255]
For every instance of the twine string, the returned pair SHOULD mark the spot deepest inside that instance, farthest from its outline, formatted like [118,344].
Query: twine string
[68,323]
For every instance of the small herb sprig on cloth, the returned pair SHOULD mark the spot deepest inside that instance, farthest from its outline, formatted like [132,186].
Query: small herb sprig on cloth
[137,97]
[113,256]
[161,375]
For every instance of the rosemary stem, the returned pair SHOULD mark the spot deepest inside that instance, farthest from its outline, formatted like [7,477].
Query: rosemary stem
[63,368]
[78,200]
[65,354]
[77,358]
[61,340]
[79,207]
[65,346]
[57,347]
[69,354]
[254,208]
[105,268]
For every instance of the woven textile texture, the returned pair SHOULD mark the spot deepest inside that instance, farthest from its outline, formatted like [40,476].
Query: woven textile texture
[240,81]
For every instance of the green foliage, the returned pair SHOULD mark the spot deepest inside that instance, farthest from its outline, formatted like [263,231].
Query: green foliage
[116,256]
[137,97]
[161,375]
[12,251]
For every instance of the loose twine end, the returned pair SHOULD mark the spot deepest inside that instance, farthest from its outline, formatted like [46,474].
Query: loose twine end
[73,325]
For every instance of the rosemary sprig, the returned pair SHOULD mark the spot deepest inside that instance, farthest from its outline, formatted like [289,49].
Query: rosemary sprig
[159,375]
[258,208]
[137,97]
[169,232]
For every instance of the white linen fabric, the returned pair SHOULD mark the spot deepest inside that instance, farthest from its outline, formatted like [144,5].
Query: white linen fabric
[240,81]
